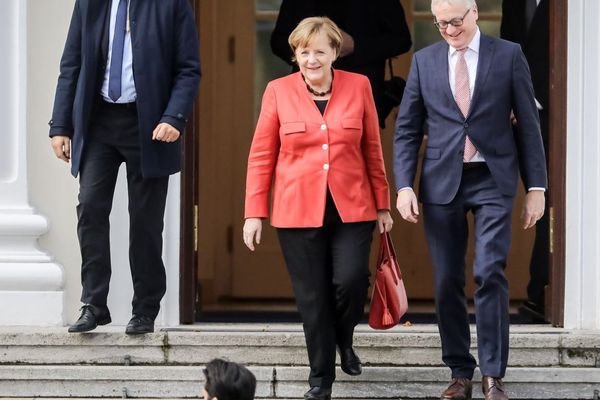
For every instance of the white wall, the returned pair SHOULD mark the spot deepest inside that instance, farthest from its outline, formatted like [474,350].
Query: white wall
[582,286]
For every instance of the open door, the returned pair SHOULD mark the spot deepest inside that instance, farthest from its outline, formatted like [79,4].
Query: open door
[237,63]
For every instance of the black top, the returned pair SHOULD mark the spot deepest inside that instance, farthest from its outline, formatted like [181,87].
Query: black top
[378,28]
[321,104]
[534,41]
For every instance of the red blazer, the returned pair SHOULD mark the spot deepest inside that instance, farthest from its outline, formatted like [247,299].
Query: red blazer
[305,152]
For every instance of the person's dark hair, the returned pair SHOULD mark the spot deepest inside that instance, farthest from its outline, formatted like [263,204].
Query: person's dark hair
[229,381]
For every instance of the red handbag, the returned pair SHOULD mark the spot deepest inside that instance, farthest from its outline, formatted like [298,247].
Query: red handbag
[388,301]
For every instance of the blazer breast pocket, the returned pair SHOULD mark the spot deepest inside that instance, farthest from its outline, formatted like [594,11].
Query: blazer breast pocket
[288,128]
[352,123]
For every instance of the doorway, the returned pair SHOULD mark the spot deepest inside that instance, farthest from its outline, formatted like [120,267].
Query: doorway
[237,64]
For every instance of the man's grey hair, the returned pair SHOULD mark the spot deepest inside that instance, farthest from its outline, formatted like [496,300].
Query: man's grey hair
[467,3]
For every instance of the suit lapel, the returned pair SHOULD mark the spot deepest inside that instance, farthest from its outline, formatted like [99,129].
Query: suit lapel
[486,55]
[442,59]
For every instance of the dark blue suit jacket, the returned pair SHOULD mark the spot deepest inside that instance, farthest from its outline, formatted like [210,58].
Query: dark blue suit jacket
[166,67]
[503,83]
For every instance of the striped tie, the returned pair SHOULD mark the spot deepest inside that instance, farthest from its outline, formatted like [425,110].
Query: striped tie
[462,94]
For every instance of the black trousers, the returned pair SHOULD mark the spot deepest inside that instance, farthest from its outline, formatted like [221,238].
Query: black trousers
[114,139]
[329,269]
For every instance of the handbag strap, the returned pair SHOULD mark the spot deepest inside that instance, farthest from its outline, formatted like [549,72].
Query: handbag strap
[391,251]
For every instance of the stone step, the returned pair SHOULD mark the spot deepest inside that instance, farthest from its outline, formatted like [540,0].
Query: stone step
[277,345]
[281,382]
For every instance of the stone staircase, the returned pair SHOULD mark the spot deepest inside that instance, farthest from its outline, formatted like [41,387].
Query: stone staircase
[403,363]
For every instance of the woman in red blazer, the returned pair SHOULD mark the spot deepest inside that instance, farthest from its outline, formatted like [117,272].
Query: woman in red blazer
[317,142]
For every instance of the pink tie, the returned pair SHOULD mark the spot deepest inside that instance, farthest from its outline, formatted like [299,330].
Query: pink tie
[462,94]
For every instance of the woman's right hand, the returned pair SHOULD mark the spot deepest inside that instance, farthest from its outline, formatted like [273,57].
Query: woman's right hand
[252,230]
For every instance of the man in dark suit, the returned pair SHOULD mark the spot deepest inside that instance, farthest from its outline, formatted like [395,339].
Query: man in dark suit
[128,78]
[463,90]
[373,31]
[527,23]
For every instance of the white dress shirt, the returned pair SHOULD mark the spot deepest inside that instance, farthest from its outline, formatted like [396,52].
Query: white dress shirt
[128,93]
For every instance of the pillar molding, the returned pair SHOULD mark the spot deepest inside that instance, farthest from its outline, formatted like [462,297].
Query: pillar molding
[582,284]
[30,282]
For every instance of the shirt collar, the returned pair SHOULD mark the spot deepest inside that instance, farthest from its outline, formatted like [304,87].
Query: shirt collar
[474,45]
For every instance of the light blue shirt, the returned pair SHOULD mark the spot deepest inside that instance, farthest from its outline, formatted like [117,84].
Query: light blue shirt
[128,93]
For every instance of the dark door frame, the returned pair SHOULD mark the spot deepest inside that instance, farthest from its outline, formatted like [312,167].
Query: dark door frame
[557,143]
[189,287]
[188,256]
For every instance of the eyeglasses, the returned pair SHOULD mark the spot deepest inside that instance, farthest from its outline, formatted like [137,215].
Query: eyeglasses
[454,21]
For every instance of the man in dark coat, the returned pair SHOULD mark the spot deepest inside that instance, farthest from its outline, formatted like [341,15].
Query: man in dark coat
[527,22]
[373,31]
[128,78]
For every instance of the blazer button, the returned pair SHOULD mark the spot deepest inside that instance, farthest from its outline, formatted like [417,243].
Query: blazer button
[466,125]
[325,166]
[325,146]
[180,116]
[323,127]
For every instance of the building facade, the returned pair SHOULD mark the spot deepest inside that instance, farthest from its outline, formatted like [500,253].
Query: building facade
[39,253]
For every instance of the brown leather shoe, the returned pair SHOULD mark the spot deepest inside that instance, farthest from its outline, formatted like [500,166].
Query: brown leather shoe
[493,388]
[459,389]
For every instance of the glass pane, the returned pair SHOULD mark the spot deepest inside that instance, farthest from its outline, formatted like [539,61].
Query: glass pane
[425,33]
[491,28]
[485,6]
[268,5]
[490,6]
[267,66]
[422,5]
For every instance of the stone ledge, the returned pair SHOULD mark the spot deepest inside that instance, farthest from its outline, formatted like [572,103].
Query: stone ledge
[285,382]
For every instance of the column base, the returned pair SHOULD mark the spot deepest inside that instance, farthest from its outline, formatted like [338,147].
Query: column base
[31,308]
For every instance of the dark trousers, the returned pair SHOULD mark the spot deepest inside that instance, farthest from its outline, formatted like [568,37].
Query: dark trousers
[113,139]
[329,269]
[447,233]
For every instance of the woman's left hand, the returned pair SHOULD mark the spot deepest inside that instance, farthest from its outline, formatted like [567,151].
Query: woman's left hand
[384,221]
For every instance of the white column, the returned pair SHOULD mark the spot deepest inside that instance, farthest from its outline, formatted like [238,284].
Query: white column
[582,286]
[30,283]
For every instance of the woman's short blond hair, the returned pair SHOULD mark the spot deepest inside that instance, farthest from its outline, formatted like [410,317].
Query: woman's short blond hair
[310,27]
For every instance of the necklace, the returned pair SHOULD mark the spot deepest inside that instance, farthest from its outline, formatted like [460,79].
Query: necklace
[313,91]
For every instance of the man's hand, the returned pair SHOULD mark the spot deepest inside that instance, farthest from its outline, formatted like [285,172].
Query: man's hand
[533,208]
[252,229]
[407,205]
[62,147]
[165,133]
[347,44]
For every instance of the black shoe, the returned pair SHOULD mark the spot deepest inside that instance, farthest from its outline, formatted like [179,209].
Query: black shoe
[139,324]
[88,320]
[318,393]
[532,311]
[349,361]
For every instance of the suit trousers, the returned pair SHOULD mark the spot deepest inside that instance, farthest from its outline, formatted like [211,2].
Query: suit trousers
[447,235]
[329,269]
[113,139]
